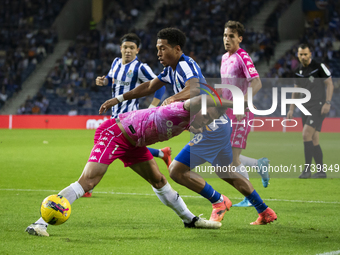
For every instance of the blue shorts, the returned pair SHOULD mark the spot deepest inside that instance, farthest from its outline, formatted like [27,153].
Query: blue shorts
[212,145]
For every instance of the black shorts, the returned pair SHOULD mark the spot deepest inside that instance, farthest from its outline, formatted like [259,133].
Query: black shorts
[315,120]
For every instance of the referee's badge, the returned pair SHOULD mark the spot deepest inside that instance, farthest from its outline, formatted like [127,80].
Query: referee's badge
[129,74]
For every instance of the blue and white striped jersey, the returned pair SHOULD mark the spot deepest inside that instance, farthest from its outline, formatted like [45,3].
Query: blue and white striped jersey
[125,78]
[186,69]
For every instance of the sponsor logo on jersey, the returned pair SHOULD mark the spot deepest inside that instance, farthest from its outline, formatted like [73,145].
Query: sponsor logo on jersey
[169,125]
[246,56]
[129,74]
[122,83]
[93,158]
[300,71]
[237,142]
[252,70]
[98,150]
[105,138]
[241,129]
[102,143]
[249,63]
[242,53]
[311,79]
[311,122]
[239,136]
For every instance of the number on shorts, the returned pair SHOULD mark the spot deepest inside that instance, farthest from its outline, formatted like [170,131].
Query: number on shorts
[115,149]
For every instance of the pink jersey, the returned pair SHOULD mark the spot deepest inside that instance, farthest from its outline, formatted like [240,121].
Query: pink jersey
[158,124]
[237,69]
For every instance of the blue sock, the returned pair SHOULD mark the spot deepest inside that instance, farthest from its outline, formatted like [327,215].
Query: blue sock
[154,152]
[209,193]
[255,199]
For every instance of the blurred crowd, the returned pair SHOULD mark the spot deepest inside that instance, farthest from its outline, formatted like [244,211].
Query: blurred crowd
[26,38]
[324,40]
[72,81]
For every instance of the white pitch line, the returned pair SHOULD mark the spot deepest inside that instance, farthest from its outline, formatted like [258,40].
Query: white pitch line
[330,253]
[145,194]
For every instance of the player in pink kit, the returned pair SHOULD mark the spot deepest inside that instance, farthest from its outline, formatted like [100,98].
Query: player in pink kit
[237,68]
[126,139]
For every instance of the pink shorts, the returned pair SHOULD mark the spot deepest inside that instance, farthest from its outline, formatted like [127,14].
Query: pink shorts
[241,130]
[110,144]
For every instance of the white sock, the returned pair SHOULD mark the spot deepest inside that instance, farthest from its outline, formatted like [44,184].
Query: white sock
[171,198]
[248,161]
[241,169]
[72,192]
[160,154]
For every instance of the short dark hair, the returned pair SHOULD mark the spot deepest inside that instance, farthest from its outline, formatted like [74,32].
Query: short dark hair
[235,25]
[130,37]
[173,35]
[304,46]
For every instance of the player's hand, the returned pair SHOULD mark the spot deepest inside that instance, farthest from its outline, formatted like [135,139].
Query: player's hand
[325,109]
[101,81]
[239,117]
[107,105]
[168,100]
[290,114]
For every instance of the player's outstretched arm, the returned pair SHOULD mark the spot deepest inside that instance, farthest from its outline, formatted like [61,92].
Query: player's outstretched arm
[145,89]
[142,90]
[187,92]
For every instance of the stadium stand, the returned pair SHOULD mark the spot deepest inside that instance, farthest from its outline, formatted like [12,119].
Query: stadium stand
[26,38]
[70,87]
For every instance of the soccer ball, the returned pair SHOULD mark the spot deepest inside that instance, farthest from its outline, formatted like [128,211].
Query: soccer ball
[55,209]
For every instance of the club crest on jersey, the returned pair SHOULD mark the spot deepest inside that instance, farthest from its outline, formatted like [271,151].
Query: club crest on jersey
[129,74]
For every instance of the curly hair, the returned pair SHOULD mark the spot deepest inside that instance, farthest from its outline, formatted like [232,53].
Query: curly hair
[173,35]
[235,25]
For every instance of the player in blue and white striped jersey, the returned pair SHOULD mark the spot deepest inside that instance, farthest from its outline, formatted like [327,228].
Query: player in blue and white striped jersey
[127,73]
[186,69]
[183,73]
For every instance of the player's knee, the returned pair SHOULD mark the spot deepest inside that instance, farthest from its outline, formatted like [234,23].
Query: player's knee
[175,175]
[158,182]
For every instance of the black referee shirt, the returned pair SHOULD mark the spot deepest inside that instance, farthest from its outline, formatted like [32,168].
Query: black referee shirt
[312,78]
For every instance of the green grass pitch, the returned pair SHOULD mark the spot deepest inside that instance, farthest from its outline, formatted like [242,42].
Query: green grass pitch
[125,217]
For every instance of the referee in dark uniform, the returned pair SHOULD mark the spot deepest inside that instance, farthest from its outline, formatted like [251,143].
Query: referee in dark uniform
[316,78]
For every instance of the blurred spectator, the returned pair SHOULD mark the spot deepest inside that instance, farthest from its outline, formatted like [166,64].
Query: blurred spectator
[73,112]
